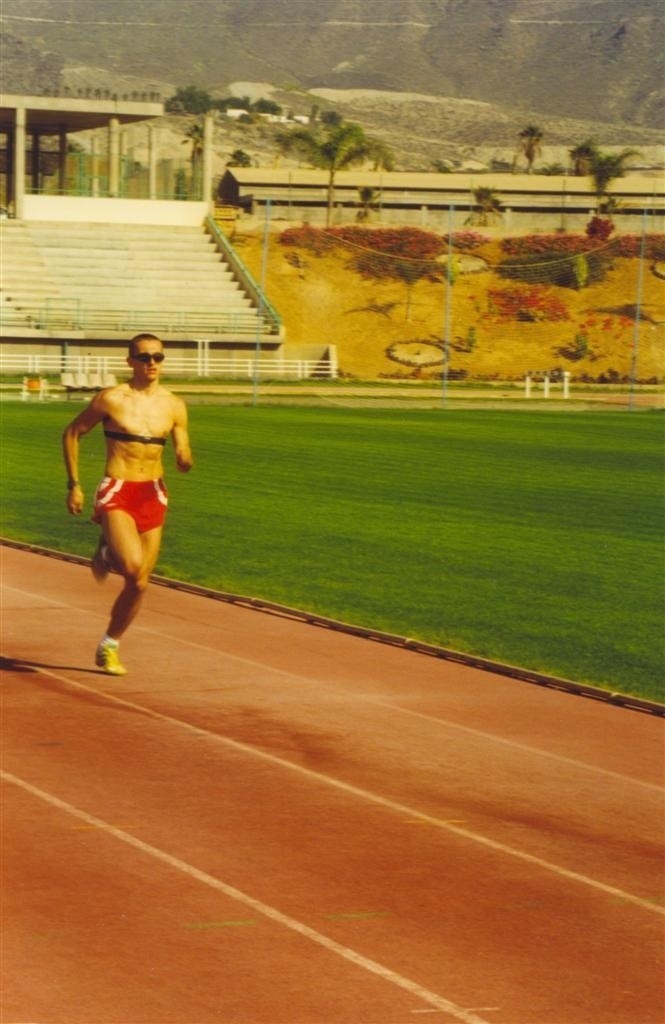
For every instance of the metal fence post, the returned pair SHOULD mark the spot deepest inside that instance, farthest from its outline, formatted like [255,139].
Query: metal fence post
[638,312]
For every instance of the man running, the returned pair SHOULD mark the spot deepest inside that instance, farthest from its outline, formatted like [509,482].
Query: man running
[130,502]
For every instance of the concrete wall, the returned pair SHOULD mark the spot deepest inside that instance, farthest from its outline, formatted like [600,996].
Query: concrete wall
[92,210]
[511,222]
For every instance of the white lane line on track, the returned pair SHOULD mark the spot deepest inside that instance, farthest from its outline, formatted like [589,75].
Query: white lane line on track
[377,702]
[367,795]
[374,701]
[515,744]
[385,973]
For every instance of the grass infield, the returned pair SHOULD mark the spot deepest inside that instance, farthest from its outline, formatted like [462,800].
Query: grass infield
[530,538]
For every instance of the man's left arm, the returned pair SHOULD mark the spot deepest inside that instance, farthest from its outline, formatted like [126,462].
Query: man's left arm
[180,434]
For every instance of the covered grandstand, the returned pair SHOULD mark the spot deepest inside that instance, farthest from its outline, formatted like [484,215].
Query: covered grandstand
[87,261]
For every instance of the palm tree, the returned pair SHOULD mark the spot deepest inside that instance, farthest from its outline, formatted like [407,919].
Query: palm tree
[488,206]
[583,157]
[611,205]
[194,134]
[239,158]
[605,168]
[369,199]
[530,139]
[338,147]
[380,155]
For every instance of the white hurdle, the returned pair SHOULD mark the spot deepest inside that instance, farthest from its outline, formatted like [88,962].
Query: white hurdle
[547,381]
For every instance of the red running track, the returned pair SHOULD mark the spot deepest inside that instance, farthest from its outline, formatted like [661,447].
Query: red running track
[271,823]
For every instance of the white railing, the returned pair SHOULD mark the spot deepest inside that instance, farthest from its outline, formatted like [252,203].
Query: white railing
[190,366]
[58,314]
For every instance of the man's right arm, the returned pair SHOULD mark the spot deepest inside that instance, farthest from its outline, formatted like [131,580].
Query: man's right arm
[93,414]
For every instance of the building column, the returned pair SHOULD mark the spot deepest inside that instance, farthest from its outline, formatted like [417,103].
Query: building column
[34,161]
[206,178]
[19,163]
[152,162]
[94,166]
[9,170]
[114,157]
[62,161]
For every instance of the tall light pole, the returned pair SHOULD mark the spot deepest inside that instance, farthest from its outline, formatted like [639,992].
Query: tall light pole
[447,311]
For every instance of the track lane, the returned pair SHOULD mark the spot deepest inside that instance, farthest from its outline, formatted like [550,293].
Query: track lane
[462,920]
[168,948]
[271,710]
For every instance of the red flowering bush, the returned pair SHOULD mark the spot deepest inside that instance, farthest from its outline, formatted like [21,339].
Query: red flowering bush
[531,304]
[545,245]
[616,326]
[403,253]
[631,246]
[557,246]
[599,228]
[409,243]
[307,237]
[467,241]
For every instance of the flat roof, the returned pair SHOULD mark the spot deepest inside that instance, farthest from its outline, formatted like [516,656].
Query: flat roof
[418,182]
[58,113]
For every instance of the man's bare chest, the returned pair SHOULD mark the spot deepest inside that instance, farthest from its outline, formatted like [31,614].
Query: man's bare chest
[145,415]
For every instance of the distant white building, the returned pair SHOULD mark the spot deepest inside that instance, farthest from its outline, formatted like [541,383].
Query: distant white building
[236,112]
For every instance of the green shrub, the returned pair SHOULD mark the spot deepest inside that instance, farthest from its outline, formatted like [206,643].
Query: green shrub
[564,272]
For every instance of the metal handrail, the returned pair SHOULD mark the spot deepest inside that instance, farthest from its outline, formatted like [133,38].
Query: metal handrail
[244,275]
[71,315]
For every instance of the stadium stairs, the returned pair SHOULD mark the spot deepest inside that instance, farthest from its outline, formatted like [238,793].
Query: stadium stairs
[110,280]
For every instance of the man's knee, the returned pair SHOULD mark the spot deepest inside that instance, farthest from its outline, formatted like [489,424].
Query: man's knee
[135,563]
[135,574]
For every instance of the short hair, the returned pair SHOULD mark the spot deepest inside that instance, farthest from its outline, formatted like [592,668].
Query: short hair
[142,337]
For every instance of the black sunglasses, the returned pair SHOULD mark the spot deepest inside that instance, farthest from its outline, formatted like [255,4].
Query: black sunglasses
[149,357]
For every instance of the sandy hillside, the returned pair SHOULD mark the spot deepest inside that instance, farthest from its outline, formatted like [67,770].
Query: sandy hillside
[384,329]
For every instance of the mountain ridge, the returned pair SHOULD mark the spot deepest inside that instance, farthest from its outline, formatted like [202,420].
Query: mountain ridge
[595,60]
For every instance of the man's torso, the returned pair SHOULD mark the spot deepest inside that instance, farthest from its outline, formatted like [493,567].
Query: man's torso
[148,417]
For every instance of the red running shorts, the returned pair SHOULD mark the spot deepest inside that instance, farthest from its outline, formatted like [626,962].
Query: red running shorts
[144,500]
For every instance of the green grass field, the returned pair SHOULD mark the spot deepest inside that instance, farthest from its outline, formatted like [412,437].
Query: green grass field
[530,538]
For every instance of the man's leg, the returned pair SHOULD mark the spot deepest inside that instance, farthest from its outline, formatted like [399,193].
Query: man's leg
[134,555]
[101,559]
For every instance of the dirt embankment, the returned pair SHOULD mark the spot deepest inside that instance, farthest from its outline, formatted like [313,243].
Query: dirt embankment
[388,329]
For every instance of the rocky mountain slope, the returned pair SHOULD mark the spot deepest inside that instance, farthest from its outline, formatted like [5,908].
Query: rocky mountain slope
[422,131]
[592,60]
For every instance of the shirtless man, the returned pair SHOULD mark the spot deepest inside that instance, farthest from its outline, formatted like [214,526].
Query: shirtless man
[130,502]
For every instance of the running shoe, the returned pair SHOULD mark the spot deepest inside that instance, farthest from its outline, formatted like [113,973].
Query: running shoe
[99,564]
[108,658]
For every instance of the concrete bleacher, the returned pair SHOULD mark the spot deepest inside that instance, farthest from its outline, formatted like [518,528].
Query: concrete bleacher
[101,278]
[25,284]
